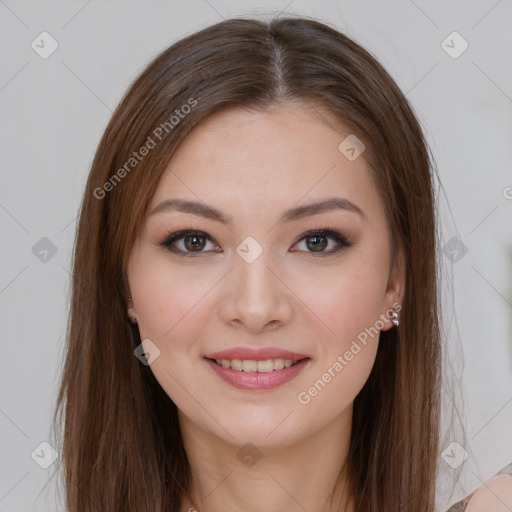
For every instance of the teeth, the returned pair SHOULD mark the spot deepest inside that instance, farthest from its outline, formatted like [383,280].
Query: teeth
[237,364]
[251,365]
[265,366]
[278,364]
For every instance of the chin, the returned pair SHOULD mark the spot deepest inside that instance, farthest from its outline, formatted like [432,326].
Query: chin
[266,427]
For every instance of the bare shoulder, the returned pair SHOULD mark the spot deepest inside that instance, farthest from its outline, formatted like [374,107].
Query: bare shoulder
[495,495]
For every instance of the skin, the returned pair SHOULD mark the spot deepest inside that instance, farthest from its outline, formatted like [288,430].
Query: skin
[253,166]
[494,496]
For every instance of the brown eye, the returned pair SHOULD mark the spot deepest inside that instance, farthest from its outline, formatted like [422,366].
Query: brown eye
[187,242]
[194,243]
[318,241]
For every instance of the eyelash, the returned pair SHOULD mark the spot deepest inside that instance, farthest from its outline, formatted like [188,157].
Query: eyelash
[326,232]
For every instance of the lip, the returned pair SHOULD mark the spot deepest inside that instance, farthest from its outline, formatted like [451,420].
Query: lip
[259,354]
[254,381]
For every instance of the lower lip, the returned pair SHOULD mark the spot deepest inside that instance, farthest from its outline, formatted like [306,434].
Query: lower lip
[258,380]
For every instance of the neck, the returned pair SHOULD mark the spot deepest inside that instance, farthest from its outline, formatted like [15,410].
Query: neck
[301,476]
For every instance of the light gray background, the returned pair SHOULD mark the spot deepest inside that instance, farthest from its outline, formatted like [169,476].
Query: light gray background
[54,111]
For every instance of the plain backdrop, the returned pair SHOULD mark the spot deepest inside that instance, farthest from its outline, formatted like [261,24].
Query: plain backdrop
[54,111]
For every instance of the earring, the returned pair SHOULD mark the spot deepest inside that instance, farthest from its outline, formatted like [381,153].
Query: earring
[133,318]
[394,316]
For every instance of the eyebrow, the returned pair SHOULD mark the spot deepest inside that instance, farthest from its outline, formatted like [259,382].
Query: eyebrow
[298,212]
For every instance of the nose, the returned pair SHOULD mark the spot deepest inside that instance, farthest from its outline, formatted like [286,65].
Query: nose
[257,296]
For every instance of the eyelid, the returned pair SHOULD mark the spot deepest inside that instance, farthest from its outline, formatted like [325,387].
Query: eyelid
[328,232]
[174,236]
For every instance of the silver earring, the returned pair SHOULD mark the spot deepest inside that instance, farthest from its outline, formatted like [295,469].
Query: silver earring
[394,317]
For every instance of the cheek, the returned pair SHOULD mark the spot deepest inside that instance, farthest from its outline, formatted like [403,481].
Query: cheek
[171,312]
[167,298]
[350,305]
[347,298]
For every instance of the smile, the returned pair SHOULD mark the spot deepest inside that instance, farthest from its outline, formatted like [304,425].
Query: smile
[257,374]
[252,365]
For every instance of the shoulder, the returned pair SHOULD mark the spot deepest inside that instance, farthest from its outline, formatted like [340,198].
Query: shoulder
[495,495]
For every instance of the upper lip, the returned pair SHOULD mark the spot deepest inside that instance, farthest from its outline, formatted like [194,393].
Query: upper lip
[259,354]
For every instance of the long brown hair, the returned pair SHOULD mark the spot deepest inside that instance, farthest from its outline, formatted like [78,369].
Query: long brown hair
[121,441]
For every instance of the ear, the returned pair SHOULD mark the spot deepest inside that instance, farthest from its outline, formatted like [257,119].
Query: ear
[395,288]
[130,308]
[132,315]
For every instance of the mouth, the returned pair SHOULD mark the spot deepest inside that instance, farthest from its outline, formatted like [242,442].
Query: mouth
[257,370]
[254,365]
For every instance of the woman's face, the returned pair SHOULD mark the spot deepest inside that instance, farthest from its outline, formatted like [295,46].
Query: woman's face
[255,289]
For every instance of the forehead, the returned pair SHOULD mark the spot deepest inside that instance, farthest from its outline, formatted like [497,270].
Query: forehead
[266,160]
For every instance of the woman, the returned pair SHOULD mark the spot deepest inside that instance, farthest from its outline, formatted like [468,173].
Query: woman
[254,319]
